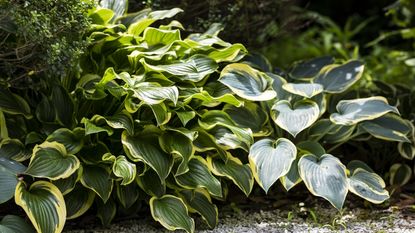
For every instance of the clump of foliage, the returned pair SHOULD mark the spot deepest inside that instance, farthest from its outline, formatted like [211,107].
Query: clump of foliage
[41,38]
[172,122]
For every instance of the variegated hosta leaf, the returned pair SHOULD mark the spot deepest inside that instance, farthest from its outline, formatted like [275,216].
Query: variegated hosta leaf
[309,69]
[121,168]
[43,204]
[388,127]
[292,178]
[9,170]
[150,183]
[128,194]
[407,150]
[78,201]
[249,116]
[179,145]
[232,53]
[234,170]
[14,149]
[155,36]
[153,93]
[98,179]
[13,104]
[193,69]
[199,201]
[368,185]
[68,184]
[205,142]
[172,213]
[295,119]
[337,78]
[339,133]
[258,61]
[354,111]
[247,82]
[121,120]
[271,160]
[199,176]
[307,90]
[119,7]
[72,140]
[211,95]
[15,224]
[277,83]
[138,24]
[324,177]
[50,160]
[399,174]
[94,126]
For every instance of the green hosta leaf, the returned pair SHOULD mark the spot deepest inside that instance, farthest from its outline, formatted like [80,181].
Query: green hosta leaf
[193,69]
[295,119]
[161,113]
[138,27]
[179,145]
[127,194]
[355,164]
[92,128]
[97,179]
[368,185]
[171,212]
[50,160]
[14,149]
[185,116]
[247,82]
[234,170]
[292,178]
[78,201]
[212,95]
[92,154]
[311,147]
[307,90]
[43,204]
[206,141]
[153,93]
[199,201]
[9,170]
[199,176]
[145,148]
[106,211]
[337,78]
[121,168]
[151,183]
[15,224]
[121,120]
[45,112]
[354,111]
[72,140]
[388,127]
[64,106]
[324,177]
[399,174]
[155,36]
[271,160]
[249,116]
[101,16]
[309,69]
[407,150]
[13,104]
[68,184]
[232,53]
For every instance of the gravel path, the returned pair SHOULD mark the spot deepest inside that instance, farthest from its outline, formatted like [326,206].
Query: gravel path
[318,219]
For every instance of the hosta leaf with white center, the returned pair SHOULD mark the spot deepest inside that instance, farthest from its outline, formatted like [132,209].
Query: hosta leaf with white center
[121,168]
[368,185]
[193,69]
[72,140]
[407,150]
[14,149]
[295,119]
[354,111]
[43,204]
[172,213]
[78,201]
[399,174]
[388,127]
[324,177]
[154,93]
[50,160]
[309,69]
[337,78]
[9,170]
[98,179]
[232,53]
[145,148]
[179,145]
[13,104]
[155,36]
[233,169]
[15,224]
[270,160]
[199,176]
[199,201]
[247,82]
[307,90]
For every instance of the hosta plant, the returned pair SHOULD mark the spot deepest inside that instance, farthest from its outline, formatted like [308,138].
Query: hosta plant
[169,121]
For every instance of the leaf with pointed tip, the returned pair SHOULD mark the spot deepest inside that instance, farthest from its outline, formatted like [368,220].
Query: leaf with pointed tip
[270,160]
[205,142]
[309,69]
[295,119]
[399,174]
[199,201]
[97,179]
[232,53]
[307,90]
[388,127]
[121,167]
[354,111]
[106,211]
[211,95]
[64,106]
[154,93]
[13,104]
[9,170]
[407,150]
[15,224]
[66,185]
[14,149]
[127,194]
[324,177]
[368,185]
[71,139]
[139,26]
[292,178]
[78,201]
[155,36]
[179,145]
[150,183]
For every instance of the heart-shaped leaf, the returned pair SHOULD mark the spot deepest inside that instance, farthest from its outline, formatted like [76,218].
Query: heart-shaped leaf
[295,119]
[307,90]
[368,185]
[72,140]
[354,111]
[199,201]
[309,69]
[324,177]
[271,160]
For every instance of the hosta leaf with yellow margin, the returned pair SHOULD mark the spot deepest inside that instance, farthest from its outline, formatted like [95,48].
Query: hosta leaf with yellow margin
[179,145]
[310,68]
[306,90]
[14,149]
[78,201]
[121,168]
[199,201]
[43,204]
[399,174]
[71,139]
[98,179]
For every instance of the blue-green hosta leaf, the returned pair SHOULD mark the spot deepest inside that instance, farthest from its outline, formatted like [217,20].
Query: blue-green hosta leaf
[15,224]
[270,160]
[155,36]
[145,148]
[154,93]
[128,194]
[324,177]
[14,149]
[307,90]
[258,61]
[150,183]
[172,213]
[50,160]
[295,119]
[337,78]
[232,53]
[180,146]
[64,106]
[277,83]
[13,104]
[122,168]
[199,201]
[98,179]
[354,111]
[193,69]
[247,82]
[388,127]
[309,69]
[119,7]
[292,178]
[9,170]
[399,174]
[138,27]
[71,139]
[233,169]
[407,150]
[43,204]
[368,185]
[78,201]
